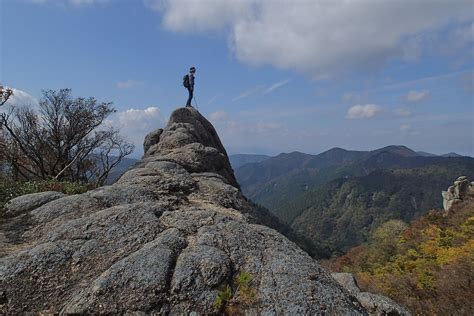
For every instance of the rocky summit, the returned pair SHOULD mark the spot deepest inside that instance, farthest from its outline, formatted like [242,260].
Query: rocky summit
[174,235]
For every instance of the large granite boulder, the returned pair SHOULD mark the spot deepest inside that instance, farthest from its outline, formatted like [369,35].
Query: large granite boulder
[374,303]
[174,235]
[28,202]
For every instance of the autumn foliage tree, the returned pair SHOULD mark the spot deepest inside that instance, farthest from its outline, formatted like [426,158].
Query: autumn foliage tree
[427,266]
[64,140]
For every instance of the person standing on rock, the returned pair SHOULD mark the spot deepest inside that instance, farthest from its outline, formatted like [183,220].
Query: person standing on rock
[188,83]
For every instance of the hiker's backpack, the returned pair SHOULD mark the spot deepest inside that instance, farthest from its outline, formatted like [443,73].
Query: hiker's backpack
[186,81]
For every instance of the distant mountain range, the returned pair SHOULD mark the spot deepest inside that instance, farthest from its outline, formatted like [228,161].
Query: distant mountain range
[339,196]
[236,161]
[241,159]
[120,169]
[425,154]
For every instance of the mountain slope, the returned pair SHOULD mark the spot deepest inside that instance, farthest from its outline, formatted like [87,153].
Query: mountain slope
[239,160]
[310,192]
[345,212]
[120,169]
[174,235]
[273,182]
[451,154]
[427,265]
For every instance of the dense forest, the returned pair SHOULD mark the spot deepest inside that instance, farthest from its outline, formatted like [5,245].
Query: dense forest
[338,198]
[428,265]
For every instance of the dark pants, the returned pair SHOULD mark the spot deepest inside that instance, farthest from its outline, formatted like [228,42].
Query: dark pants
[190,98]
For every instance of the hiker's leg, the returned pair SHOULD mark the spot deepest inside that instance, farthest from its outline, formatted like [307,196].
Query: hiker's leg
[188,103]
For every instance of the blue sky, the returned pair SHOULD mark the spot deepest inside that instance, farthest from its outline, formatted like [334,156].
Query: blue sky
[273,76]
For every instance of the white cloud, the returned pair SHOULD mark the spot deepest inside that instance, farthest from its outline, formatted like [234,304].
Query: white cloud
[362,111]
[127,84]
[21,98]
[276,86]
[402,112]
[135,124]
[319,38]
[417,96]
[198,15]
[405,127]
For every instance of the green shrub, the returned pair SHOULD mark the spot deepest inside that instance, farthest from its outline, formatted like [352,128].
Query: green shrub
[245,292]
[241,294]
[12,189]
[224,296]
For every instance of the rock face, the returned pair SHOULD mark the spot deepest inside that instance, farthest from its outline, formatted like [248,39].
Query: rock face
[29,202]
[171,236]
[375,304]
[456,193]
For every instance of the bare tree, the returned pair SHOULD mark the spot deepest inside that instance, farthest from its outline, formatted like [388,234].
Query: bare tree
[66,140]
[2,155]
[5,94]
[111,152]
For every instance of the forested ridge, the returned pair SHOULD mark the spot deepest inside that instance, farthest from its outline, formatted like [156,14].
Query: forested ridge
[428,265]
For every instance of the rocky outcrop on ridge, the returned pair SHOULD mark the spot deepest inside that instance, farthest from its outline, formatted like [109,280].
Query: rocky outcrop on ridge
[457,192]
[374,303]
[173,235]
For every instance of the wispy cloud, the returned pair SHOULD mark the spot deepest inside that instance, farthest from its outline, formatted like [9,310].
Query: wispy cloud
[440,117]
[354,96]
[213,99]
[410,83]
[248,93]
[405,127]
[467,82]
[417,96]
[261,89]
[76,3]
[362,111]
[127,84]
[242,128]
[276,86]
[219,116]
[402,112]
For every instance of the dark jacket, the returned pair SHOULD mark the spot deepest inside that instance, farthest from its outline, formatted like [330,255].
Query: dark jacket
[191,81]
